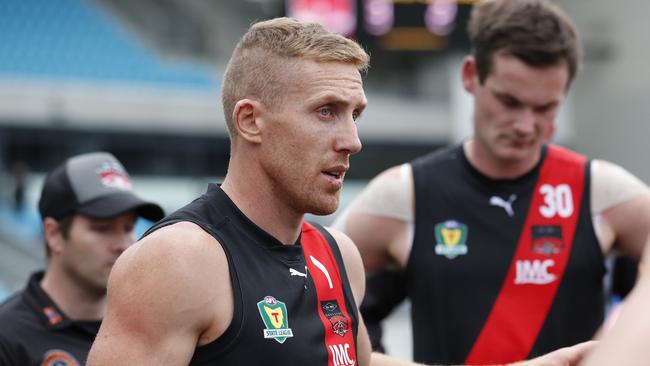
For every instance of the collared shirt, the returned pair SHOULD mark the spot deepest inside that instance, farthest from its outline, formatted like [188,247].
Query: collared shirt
[34,331]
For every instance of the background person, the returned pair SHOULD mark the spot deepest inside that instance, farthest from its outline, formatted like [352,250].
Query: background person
[89,211]
[501,238]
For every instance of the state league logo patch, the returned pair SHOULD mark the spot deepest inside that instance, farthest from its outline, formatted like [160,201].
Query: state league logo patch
[57,357]
[333,313]
[274,316]
[451,237]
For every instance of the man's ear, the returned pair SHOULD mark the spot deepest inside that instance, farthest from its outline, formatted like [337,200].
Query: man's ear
[53,235]
[469,74]
[248,120]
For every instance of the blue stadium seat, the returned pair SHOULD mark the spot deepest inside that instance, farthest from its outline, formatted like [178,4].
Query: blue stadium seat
[73,39]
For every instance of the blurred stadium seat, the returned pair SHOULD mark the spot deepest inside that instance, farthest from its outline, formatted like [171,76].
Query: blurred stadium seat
[75,39]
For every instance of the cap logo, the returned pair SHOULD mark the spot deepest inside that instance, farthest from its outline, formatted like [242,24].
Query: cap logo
[112,176]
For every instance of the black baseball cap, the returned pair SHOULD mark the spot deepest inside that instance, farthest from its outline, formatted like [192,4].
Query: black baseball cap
[95,185]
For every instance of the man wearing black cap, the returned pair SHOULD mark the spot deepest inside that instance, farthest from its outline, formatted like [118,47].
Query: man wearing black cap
[89,211]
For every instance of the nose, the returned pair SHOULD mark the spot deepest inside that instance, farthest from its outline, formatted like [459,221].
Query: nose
[348,138]
[525,122]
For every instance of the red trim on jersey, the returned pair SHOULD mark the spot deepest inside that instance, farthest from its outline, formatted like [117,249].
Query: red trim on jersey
[521,308]
[324,271]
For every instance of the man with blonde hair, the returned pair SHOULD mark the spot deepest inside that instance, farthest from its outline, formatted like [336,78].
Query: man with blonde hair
[237,277]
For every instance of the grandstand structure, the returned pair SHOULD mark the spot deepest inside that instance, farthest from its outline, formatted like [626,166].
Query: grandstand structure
[141,79]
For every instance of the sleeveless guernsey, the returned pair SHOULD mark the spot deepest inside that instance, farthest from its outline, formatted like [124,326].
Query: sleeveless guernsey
[293,303]
[502,270]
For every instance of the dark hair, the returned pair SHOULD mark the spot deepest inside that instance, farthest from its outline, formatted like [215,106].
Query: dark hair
[535,31]
[65,224]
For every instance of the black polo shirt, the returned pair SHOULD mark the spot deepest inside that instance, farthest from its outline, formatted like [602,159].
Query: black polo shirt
[34,332]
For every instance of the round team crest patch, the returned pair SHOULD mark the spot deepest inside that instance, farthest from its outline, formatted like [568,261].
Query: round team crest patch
[57,357]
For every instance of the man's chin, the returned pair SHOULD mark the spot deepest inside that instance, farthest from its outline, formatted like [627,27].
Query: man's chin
[517,153]
[325,207]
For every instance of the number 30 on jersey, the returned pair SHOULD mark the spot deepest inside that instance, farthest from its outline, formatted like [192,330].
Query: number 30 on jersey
[558,200]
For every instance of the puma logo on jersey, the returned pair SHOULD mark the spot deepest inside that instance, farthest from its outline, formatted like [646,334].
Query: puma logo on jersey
[506,205]
[534,272]
[295,272]
[341,355]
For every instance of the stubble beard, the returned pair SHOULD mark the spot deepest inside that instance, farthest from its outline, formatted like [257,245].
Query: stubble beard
[91,286]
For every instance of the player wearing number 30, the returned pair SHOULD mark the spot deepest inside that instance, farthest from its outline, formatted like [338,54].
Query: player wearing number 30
[501,238]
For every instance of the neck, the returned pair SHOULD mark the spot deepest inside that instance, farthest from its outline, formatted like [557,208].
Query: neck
[75,300]
[254,195]
[494,168]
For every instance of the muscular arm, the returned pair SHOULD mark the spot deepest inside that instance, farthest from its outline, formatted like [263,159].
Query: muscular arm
[620,207]
[626,342]
[162,296]
[380,220]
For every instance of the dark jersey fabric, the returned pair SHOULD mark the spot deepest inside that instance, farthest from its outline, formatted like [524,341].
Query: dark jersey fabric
[261,267]
[452,297]
[34,332]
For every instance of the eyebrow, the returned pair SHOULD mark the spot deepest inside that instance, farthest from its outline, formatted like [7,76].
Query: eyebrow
[333,98]
[506,95]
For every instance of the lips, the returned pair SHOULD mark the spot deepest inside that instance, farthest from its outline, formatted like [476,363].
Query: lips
[337,172]
[335,175]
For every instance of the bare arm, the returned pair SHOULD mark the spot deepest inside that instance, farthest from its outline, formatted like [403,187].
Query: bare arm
[380,219]
[626,342]
[160,304]
[621,206]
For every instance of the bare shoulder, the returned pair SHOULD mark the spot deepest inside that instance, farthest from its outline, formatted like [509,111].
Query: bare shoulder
[613,185]
[349,251]
[178,272]
[397,177]
[389,194]
[180,250]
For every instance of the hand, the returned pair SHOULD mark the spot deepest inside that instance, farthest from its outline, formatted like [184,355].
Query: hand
[567,356]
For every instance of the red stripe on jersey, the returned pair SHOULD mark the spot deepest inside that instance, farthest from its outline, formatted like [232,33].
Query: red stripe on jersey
[539,262]
[324,271]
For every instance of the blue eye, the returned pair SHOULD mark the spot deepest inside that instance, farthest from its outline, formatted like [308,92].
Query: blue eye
[325,112]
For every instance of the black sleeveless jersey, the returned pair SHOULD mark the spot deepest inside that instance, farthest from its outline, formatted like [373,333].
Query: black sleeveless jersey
[467,228]
[276,315]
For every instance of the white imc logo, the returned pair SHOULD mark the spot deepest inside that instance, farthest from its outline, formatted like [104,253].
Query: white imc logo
[534,272]
[340,355]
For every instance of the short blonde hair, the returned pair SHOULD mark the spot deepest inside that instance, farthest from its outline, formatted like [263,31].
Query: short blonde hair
[261,64]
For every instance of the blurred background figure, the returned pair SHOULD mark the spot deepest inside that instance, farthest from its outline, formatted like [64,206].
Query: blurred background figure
[141,79]
[89,211]
[19,171]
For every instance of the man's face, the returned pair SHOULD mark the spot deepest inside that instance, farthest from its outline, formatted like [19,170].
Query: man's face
[308,139]
[92,247]
[515,108]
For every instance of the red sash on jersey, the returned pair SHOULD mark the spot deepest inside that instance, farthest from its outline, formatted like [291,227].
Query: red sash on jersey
[538,264]
[323,269]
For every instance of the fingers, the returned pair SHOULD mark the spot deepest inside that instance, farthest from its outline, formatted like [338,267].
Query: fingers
[567,356]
